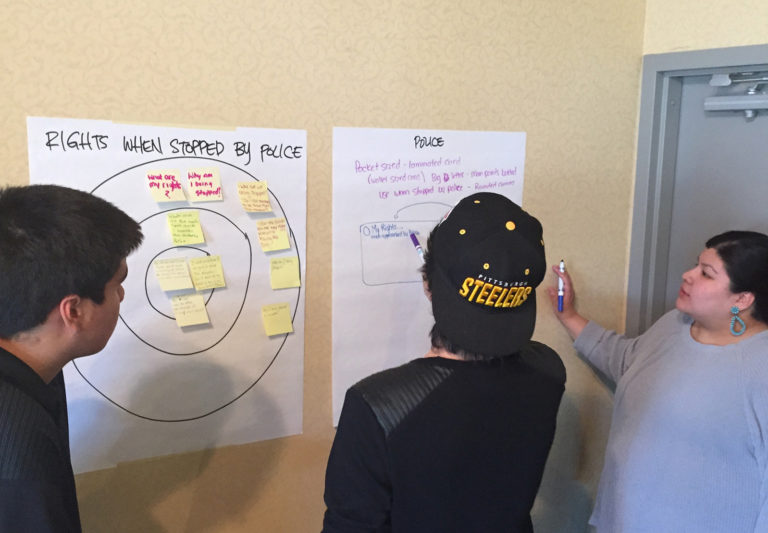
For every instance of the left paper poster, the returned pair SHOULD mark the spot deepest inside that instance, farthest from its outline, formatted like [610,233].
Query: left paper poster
[192,364]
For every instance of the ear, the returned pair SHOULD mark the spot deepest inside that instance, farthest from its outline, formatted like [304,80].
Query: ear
[71,311]
[744,300]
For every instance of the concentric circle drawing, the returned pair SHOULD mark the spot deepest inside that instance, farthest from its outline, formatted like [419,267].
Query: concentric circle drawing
[150,341]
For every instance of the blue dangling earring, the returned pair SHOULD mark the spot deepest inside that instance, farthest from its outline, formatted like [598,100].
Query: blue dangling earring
[735,318]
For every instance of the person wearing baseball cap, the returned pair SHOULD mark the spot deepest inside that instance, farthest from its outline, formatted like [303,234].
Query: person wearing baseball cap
[457,440]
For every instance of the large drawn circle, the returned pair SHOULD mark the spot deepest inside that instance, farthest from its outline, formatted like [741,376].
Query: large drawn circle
[245,292]
[100,373]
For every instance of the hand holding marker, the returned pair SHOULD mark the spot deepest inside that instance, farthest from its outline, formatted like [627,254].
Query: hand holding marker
[560,291]
[415,242]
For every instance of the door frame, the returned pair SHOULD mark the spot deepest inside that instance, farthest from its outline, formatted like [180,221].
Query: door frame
[658,130]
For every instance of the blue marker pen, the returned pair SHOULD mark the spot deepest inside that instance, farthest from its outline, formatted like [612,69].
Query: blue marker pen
[560,291]
[415,242]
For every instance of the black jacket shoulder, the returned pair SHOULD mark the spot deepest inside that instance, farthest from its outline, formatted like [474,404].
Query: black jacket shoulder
[544,359]
[392,394]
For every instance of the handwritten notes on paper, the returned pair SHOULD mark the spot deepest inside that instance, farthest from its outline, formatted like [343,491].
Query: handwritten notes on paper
[273,234]
[254,196]
[185,227]
[388,183]
[284,272]
[204,185]
[217,360]
[189,310]
[173,274]
[207,272]
[164,185]
[277,319]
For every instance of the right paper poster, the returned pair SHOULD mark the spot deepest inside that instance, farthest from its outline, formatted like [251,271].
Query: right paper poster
[390,188]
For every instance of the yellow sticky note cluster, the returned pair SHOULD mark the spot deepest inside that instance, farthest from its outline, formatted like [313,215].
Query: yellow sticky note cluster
[273,234]
[189,310]
[277,319]
[254,196]
[204,185]
[185,227]
[200,273]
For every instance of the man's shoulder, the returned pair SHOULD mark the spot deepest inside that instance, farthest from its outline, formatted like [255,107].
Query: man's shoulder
[412,373]
[17,405]
[392,394]
[31,441]
[543,359]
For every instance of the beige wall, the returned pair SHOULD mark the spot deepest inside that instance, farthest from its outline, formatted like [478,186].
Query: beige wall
[567,73]
[696,25]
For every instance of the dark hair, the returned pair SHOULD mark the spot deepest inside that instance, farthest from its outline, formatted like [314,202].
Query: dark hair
[56,241]
[437,337]
[745,256]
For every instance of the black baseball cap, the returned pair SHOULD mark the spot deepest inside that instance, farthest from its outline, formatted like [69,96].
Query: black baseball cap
[488,258]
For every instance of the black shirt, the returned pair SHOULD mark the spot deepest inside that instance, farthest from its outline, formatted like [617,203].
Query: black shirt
[442,445]
[37,486]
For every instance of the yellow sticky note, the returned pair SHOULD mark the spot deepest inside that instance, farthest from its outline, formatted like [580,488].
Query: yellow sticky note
[165,186]
[277,319]
[204,185]
[254,196]
[185,227]
[272,234]
[207,272]
[284,272]
[189,310]
[172,274]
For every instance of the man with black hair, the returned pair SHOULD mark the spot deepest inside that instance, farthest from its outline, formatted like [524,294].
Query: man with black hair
[62,262]
[457,440]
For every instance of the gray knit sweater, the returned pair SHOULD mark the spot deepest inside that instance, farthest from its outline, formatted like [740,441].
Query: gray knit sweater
[688,446]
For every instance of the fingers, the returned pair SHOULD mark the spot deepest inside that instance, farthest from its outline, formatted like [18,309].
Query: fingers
[568,296]
[564,275]
[552,293]
[570,318]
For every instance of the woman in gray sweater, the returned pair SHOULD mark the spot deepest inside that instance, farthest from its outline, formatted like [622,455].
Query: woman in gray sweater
[688,445]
